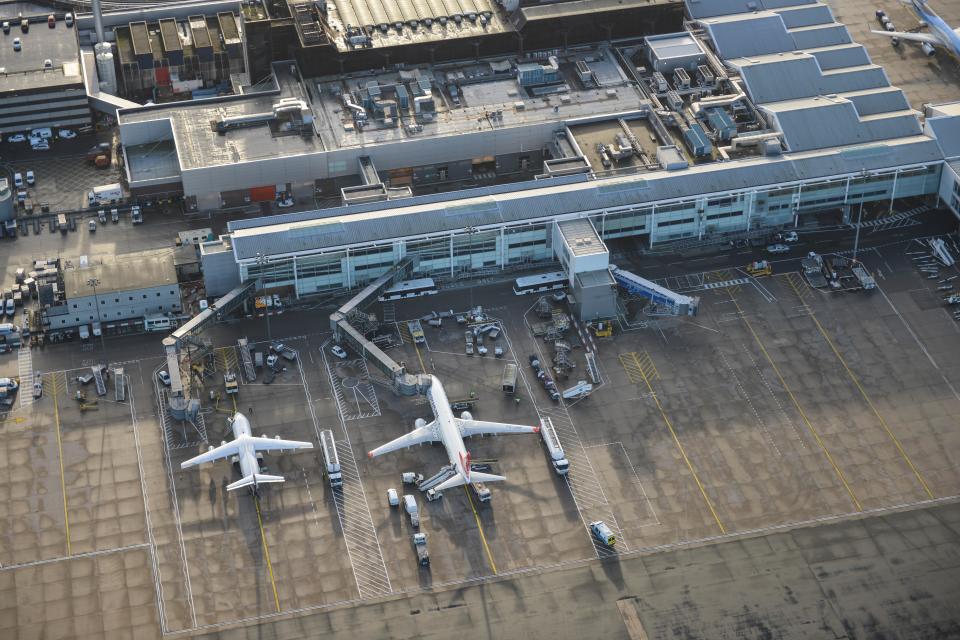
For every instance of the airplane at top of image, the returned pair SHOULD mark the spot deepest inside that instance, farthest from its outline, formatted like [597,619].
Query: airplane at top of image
[451,431]
[940,34]
[245,447]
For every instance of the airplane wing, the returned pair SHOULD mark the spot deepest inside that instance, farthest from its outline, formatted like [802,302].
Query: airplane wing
[223,451]
[421,435]
[480,427]
[914,37]
[274,444]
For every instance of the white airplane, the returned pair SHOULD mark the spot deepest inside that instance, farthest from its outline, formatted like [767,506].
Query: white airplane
[451,431]
[941,35]
[245,447]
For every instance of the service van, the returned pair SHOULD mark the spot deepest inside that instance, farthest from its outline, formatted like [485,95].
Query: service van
[157,323]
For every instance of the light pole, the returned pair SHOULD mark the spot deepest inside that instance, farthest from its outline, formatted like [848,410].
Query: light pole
[262,260]
[470,231]
[93,282]
[856,237]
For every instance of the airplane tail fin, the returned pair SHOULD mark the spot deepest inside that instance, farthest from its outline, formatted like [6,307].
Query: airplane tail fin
[459,479]
[253,480]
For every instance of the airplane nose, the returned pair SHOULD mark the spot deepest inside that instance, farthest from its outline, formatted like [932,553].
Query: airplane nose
[369,454]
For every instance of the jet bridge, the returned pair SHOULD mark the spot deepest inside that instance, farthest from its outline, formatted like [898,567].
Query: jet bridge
[179,343]
[343,331]
[677,304]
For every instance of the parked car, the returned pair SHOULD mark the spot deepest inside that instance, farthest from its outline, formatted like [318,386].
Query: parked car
[31,178]
[791,236]
[164,378]
[19,137]
[338,351]
[18,179]
[67,134]
[392,498]
[16,44]
[778,248]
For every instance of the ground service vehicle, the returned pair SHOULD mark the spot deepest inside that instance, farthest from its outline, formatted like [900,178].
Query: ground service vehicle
[778,248]
[62,223]
[329,447]
[114,216]
[409,289]
[338,351]
[410,506]
[416,331]
[164,377]
[420,544]
[135,215]
[602,533]
[509,380]
[105,193]
[157,323]
[230,382]
[759,268]
[557,458]
[92,226]
[481,491]
[392,498]
[540,283]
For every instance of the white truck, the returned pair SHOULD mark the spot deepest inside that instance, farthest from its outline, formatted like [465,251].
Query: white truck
[410,506]
[557,458]
[481,491]
[331,458]
[105,194]
[420,544]
[416,332]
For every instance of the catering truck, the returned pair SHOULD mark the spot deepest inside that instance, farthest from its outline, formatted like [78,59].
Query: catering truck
[330,456]
[557,458]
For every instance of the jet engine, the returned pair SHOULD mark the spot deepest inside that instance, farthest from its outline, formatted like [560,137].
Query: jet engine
[419,423]
[928,49]
[466,415]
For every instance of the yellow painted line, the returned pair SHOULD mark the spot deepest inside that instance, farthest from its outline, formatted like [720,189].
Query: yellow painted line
[423,369]
[483,538]
[266,554]
[63,482]
[886,427]
[683,452]
[796,404]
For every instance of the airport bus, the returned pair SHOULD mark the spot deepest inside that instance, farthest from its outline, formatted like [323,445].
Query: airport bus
[540,283]
[409,289]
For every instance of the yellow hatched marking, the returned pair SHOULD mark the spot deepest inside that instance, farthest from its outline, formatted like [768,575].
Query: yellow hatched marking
[631,366]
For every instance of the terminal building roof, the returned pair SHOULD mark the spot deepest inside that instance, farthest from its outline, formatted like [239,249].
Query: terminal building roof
[803,70]
[125,272]
[504,204]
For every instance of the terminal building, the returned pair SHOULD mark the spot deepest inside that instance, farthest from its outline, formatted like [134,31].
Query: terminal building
[473,167]
[118,292]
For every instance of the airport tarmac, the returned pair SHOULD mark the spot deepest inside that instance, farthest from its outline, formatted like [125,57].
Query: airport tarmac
[923,79]
[777,407]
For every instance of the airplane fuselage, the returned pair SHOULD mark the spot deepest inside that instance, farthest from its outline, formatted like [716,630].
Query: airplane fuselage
[247,456]
[937,26]
[449,432]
